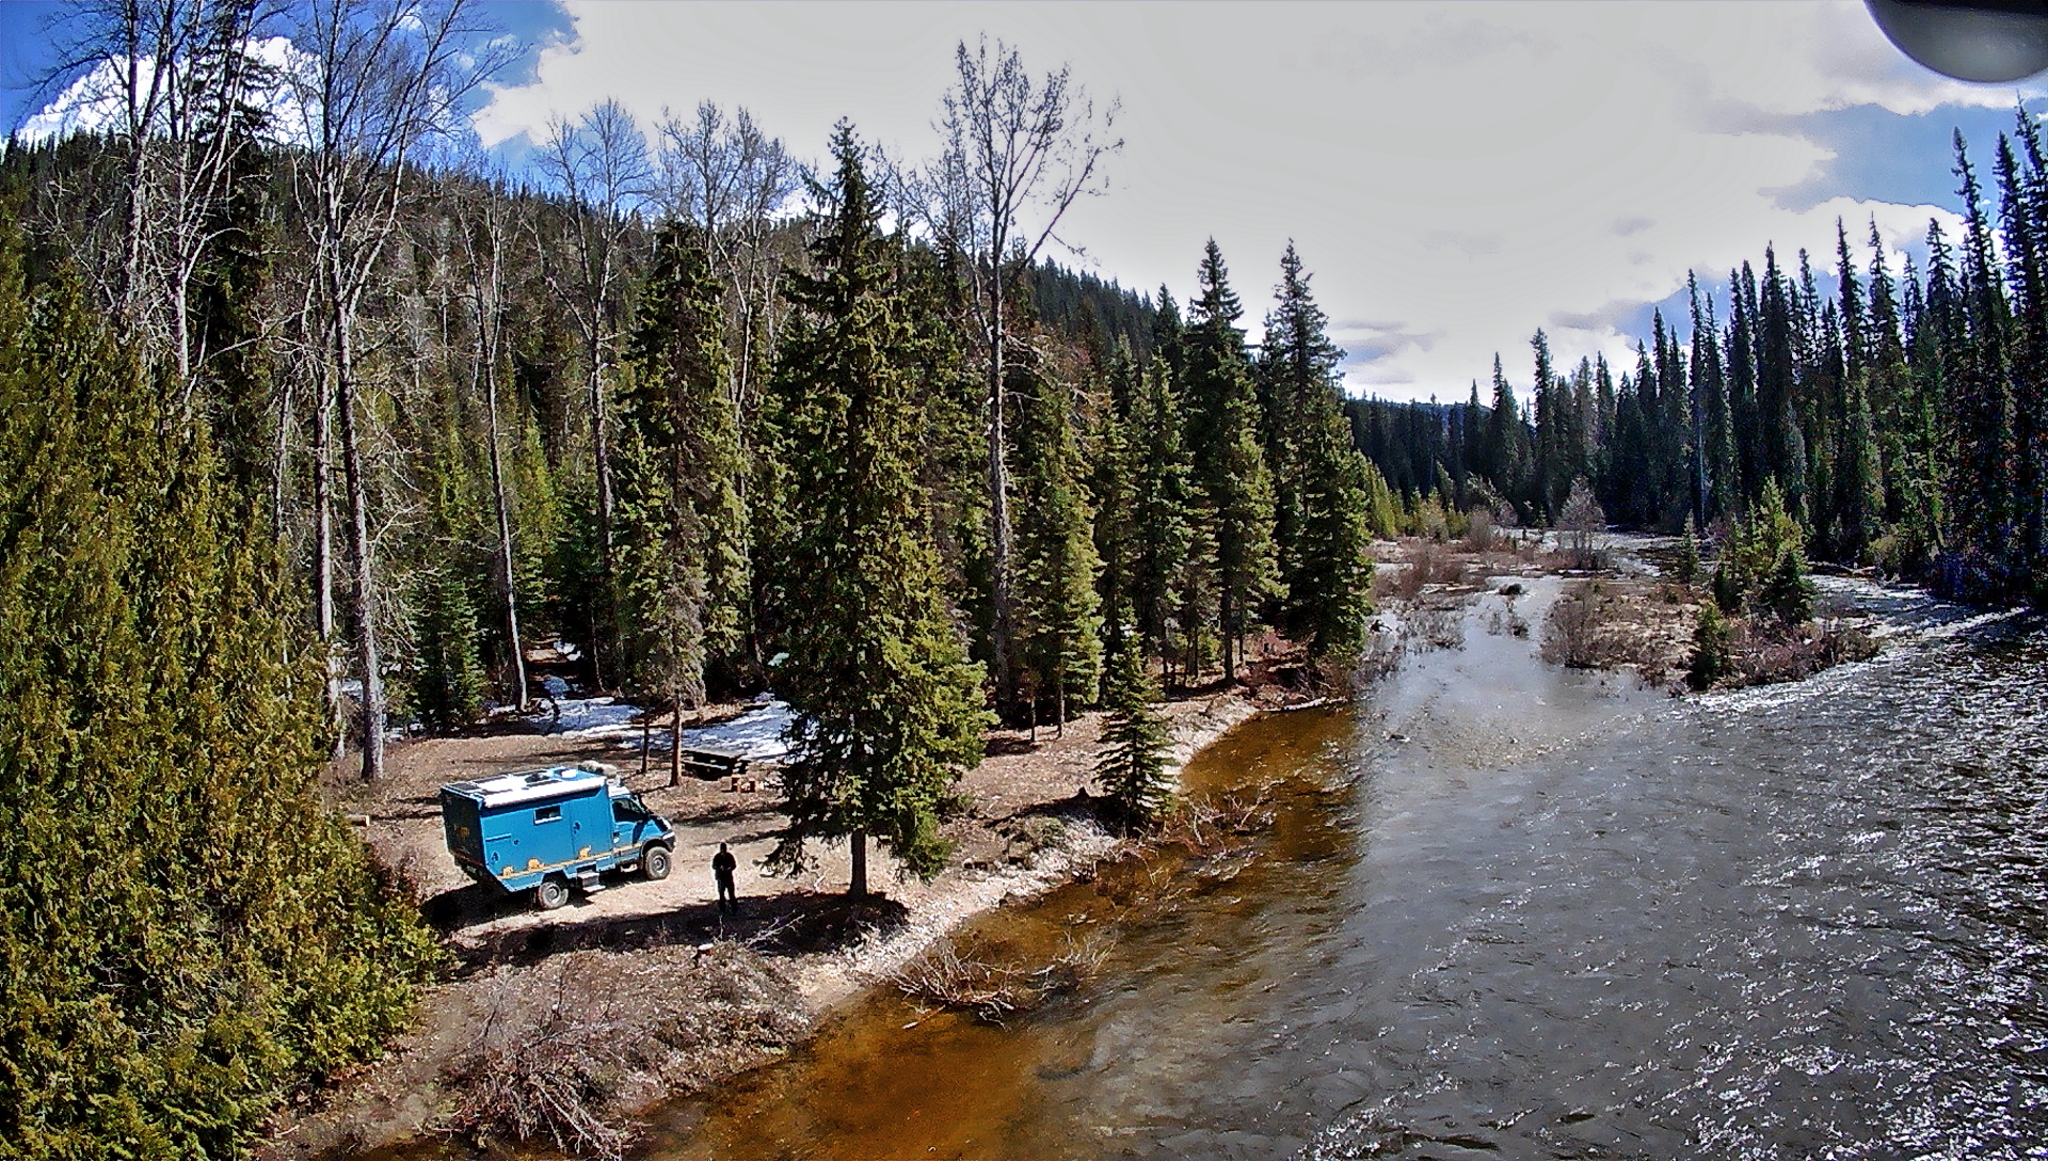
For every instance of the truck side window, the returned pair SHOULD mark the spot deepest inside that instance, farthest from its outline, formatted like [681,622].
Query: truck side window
[547,814]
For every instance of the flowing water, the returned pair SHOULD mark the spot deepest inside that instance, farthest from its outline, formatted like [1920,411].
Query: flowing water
[1510,910]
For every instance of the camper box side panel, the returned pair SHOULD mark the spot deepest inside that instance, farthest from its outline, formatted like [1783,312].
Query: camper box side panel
[527,840]
[464,831]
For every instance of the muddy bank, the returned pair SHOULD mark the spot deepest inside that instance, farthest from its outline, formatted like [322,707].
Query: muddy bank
[642,991]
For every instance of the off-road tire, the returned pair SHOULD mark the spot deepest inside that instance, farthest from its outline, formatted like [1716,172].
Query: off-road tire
[551,893]
[655,862]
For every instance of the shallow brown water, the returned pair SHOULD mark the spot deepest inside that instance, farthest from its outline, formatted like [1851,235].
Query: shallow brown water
[1513,911]
[902,1082]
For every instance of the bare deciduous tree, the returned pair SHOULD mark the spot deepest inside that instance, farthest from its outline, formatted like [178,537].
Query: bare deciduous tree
[601,164]
[376,84]
[731,179]
[1020,151]
[174,80]
[481,220]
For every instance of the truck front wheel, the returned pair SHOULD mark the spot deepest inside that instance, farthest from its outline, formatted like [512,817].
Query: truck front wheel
[551,893]
[654,864]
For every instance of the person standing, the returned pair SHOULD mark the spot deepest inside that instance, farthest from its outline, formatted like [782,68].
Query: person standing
[722,867]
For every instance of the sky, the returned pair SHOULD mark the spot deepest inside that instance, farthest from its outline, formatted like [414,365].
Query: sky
[1454,175]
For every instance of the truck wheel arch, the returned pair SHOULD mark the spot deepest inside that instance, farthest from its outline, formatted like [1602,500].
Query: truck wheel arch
[655,861]
[551,893]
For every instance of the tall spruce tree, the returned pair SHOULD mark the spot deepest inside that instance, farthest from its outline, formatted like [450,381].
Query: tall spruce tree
[1112,483]
[1549,474]
[679,530]
[888,710]
[1982,487]
[1163,521]
[1229,462]
[1715,484]
[1058,615]
[1507,440]
[1323,525]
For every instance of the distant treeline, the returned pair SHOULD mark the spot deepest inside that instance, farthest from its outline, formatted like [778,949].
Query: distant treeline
[1901,417]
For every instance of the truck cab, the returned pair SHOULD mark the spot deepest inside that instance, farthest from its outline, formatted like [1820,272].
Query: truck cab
[547,830]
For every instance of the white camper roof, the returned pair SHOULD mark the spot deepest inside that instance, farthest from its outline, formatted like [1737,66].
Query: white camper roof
[529,786]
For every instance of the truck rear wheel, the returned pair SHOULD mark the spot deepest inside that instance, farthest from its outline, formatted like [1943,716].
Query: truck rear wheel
[654,864]
[551,893]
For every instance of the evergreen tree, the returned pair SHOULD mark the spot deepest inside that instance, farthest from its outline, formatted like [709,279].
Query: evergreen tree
[1716,485]
[1777,402]
[1112,485]
[1507,440]
[1673,429]
[1743,408]
[1710,659]
[1323,533]
[888,710]
[1550,473]
[186,933]
[1164,557]
[1132,769]
[449,691]
[1764,562]
[1229,462]
[1059,620]
[1859,500]
[679,550]
[1296,372]
[1330,593]
[1889,395]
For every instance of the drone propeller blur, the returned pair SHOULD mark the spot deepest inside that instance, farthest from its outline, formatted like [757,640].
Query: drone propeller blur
[1986,41]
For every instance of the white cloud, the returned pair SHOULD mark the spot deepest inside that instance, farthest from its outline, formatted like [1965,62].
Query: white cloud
[1467,172]
[96,100]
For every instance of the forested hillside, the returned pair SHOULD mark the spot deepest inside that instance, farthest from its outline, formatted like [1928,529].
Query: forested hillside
[1900,415]
[314,428]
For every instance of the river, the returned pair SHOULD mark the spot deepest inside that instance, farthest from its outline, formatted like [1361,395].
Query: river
[1514,911]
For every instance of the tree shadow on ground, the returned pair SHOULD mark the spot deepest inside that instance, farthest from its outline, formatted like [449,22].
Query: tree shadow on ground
[1075,807]
[785,924]
[416,807]
[1000,744]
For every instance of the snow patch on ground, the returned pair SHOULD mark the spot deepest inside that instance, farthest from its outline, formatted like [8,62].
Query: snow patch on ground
[594,717]
[756,735]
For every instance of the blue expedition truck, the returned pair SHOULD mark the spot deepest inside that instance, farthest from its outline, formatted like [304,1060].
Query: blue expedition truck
[541,830]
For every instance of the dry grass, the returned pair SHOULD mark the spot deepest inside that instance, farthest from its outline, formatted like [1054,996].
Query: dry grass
[1762,652]
[994,990]
[563,1054]
[1619,624]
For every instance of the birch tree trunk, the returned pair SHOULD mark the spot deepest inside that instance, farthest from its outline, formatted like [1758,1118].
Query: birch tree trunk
[363,590]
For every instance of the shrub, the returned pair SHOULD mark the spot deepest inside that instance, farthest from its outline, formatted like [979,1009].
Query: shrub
[1571,633]
[1581,522]
[1688,564]
[1711,658]
[1480,531]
